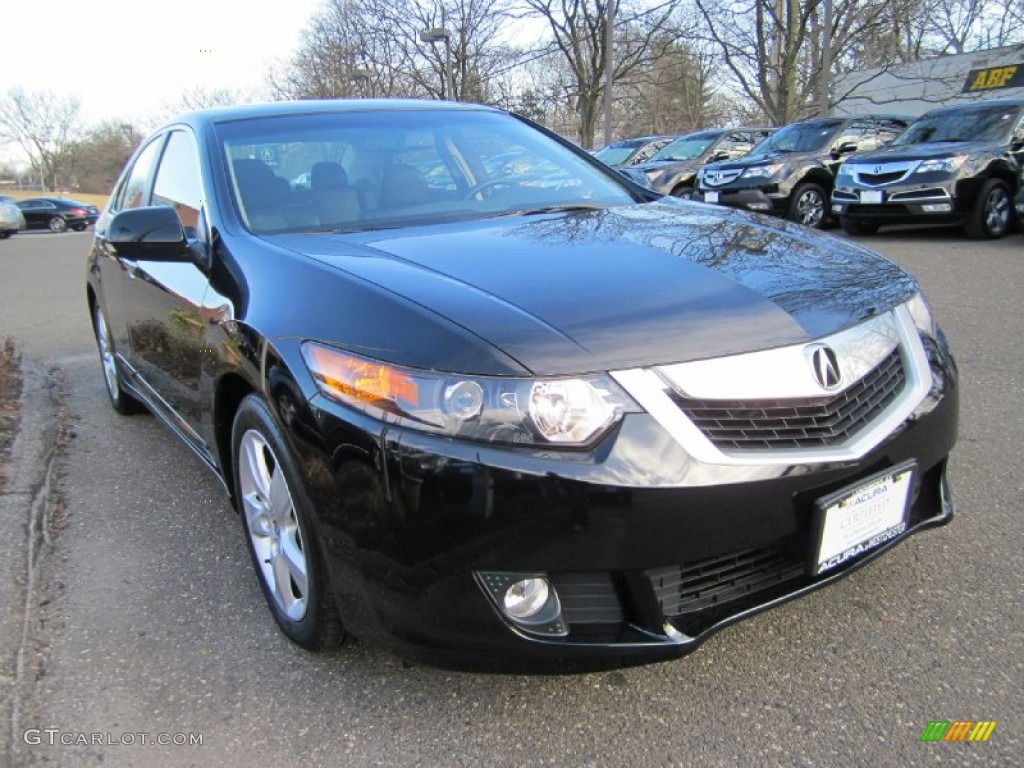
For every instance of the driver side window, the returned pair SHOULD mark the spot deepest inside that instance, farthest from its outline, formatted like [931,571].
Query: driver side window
[178,184]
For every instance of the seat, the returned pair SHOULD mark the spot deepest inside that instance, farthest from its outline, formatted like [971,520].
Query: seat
[266,198]
[334,201]
[402,186]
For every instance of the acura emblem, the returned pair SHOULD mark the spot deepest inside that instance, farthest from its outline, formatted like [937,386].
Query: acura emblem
[876,170]
[825,366]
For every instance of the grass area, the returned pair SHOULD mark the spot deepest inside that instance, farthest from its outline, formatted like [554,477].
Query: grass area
[99,201]
[10,394]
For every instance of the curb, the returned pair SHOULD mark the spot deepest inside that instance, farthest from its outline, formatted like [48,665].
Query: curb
[24,529]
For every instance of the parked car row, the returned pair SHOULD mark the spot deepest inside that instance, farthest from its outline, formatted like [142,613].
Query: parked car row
[956,165]
[58,214]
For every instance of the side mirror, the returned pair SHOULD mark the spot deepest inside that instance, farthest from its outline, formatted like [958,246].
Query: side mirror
[846,148]
[153,233]
[720,155]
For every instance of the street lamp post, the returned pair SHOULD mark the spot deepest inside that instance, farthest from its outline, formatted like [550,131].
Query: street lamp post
[436,35]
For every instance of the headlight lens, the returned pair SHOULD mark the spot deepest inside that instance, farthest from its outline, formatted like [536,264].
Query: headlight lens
[921,311]
[845,170]
[942,164]
[563,411]
[762,171]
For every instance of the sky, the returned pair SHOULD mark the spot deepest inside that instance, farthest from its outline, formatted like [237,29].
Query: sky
[130,60]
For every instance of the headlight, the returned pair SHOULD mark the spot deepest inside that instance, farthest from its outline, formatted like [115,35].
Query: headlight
[845,170]
[762,171]
[942,164]
[653,173]
[921,311]
[564,411]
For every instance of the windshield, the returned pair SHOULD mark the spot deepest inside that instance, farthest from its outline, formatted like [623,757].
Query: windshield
[614,154]
[798,137]
[685,148]
[348,171]
[992,123]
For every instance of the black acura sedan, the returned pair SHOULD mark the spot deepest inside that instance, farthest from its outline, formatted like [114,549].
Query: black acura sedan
[58,214]
[511,416]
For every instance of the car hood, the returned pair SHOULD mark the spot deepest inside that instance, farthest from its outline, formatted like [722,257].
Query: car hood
[672,166]
[773,157]
[623,287]
[927,151]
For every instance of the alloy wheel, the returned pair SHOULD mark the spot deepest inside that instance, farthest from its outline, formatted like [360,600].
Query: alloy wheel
[997,211]
[273,526]
[57,224]
[810,207]
[107,355]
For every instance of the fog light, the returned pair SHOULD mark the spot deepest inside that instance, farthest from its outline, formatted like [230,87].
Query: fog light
[529,601]
[526,598]
[937,207]
[837,209]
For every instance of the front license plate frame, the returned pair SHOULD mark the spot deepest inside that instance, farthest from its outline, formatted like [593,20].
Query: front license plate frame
[861,517]
[872,196]
[710,197]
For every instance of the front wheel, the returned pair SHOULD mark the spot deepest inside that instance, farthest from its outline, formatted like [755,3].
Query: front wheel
[121,401]
[992,211]
[79,227]
[279,530]
[682,191]
[808,205]
[57,224]
[857,226]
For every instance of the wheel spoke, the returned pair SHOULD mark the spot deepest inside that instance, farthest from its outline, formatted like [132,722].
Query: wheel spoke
[280,501]
[295,559]
[254,456]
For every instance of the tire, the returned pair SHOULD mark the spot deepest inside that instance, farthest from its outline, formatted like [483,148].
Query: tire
[808,205]
[121,401]
[279,531]
[682,191]
[57,224]
[992,213]
[79,227]
[858,226]
[4,234]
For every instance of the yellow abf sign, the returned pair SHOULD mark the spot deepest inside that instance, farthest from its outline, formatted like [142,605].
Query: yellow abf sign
[993,78]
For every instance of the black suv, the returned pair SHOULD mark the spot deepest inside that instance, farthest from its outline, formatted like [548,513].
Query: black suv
[792,173]
[619,154]
[673,170]
[955,165]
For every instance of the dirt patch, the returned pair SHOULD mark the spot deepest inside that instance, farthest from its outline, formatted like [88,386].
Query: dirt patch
[10,396]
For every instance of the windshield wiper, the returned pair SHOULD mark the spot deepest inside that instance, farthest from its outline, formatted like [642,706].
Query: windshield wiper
[566,208]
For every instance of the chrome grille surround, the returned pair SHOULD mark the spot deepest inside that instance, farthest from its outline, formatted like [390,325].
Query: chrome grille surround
[880,174]
[785,374]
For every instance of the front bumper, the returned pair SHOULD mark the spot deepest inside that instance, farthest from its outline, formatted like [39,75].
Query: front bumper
[933,201]
[769,198]
[407,523]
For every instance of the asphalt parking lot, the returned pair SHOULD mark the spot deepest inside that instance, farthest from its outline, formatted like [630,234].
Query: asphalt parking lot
[153,622]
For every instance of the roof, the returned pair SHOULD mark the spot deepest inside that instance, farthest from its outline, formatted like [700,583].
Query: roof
[321,106]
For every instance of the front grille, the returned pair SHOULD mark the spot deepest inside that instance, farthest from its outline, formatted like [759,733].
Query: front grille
[683,590]
[810,423]
[874,179]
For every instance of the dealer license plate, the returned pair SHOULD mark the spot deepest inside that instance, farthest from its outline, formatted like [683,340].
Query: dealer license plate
[871,195]
[858,519]
[710,197]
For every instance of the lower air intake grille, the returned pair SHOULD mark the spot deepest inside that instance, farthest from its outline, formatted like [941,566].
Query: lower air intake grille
[697,587]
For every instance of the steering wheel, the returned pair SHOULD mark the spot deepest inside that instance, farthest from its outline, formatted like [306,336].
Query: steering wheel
[476,192]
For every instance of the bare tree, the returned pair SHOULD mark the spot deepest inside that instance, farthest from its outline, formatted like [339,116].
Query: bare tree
[773,48]
[45,126]
[97,159]
[579,32]
[374,48]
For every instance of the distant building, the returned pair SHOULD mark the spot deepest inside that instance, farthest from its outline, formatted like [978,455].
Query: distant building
[917,87]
